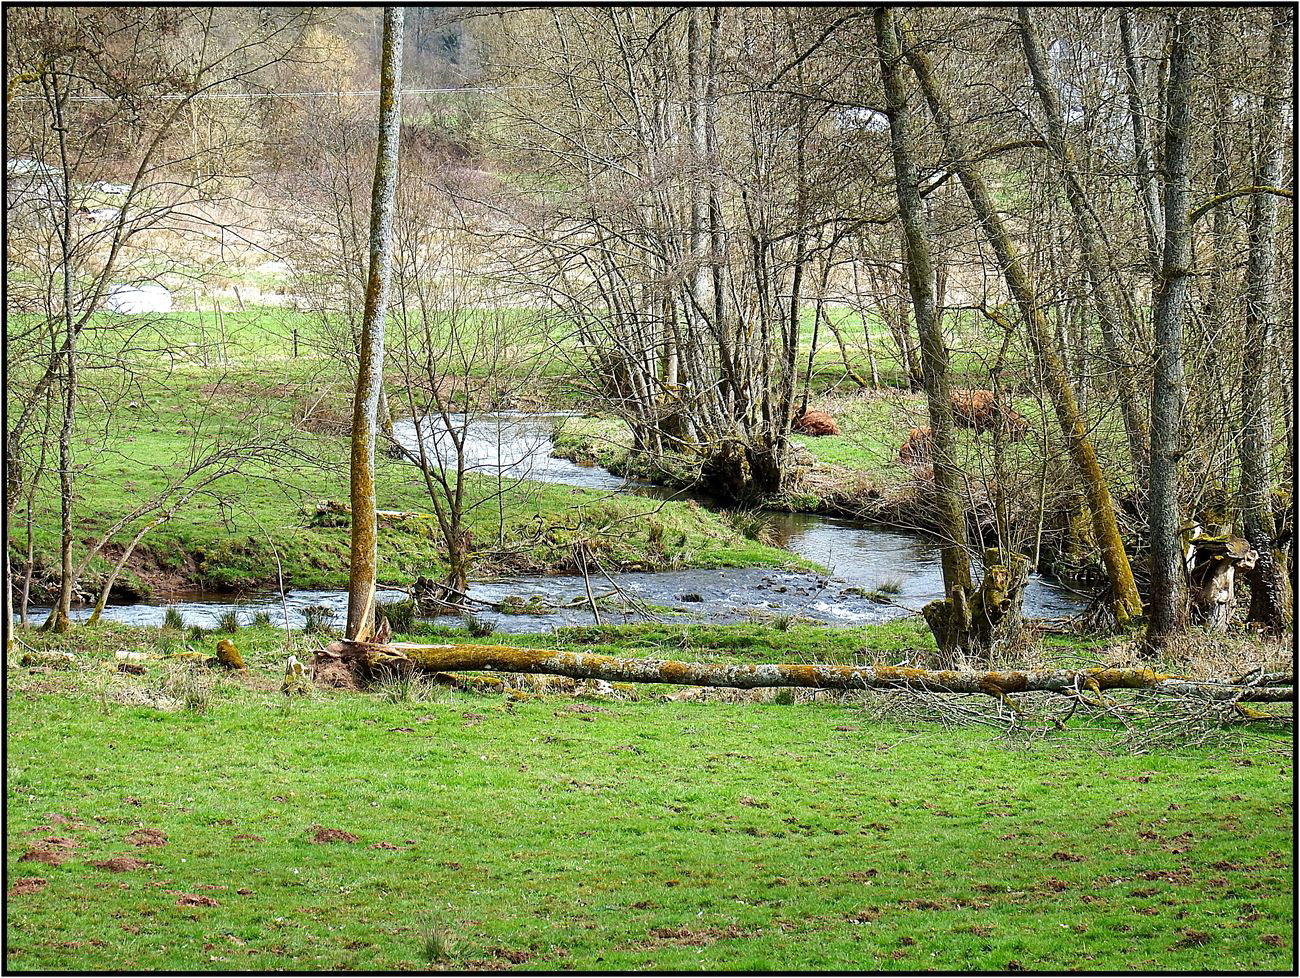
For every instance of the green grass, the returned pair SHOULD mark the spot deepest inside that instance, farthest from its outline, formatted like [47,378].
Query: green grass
[551,834]
[132,440]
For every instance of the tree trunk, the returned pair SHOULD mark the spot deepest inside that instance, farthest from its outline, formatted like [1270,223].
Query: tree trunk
[1270,591]
[1117,338]
[952,612]
[1126,604]
[1148,193]
[370,661]
[60,615]
[363,569]
[117,568]
[1168,611]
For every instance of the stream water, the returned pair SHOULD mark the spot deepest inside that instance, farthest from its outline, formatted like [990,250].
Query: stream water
[509,446]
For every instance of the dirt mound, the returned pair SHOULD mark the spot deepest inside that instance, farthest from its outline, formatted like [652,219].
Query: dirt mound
[147,837]
[27,884]
[817,424]
[331,835]
[47,856]
[195,900]
[120,864]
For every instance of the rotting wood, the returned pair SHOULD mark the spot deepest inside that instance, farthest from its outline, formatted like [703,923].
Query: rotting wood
[369,660]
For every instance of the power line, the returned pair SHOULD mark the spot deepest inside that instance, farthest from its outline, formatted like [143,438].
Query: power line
[256,95]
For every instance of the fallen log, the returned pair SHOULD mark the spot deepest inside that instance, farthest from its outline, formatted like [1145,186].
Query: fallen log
[370,660]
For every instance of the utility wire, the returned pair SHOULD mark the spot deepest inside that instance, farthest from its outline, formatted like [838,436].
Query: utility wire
[253,95]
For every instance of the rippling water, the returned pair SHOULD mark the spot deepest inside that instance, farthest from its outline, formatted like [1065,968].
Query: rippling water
[518,446]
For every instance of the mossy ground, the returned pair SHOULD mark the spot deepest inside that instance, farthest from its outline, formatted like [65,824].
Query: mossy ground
[558,833]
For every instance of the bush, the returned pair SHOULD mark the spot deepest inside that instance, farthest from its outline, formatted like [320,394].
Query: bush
[262,619]
[400,615]
[229,621]
[318,618]
[173,619]
[478,627]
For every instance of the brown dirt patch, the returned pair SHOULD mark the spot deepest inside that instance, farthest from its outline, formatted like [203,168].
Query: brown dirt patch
[691,936]
[383,845]
[514,957]
[195,900]
[322,835]
[69,820]
[1066,857]
[47,856]
[120,864]
[147,837]
[246,837]
[924,904]
[332,673]
[27,884]
[60,842]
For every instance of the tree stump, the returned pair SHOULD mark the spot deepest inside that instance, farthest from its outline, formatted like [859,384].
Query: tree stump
[975,624]
[1212,577]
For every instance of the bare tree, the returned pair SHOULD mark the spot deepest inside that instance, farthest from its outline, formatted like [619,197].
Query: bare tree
[1168,610]
[364,564]
[1270,592]
[1126,604]
[94,94]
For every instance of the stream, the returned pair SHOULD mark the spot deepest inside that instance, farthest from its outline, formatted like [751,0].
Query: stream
[515,446]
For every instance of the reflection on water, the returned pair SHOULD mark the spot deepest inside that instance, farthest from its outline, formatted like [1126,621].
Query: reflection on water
[860,560]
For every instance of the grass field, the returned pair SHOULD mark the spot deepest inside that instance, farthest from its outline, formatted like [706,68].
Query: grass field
[559,832]
[133,438]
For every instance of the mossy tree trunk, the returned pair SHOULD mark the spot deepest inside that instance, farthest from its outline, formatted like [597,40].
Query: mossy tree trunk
[976,622]
[1114,331]
[1126,604]
[363,569]
[950,618]
[367,661]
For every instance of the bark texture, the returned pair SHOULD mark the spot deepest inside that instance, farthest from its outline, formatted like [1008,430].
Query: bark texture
[370,370]
[1270,591]
[368,661]
[1168,611]
[1126,604]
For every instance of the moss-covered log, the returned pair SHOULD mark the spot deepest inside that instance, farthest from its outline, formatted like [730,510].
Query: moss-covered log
[369,660]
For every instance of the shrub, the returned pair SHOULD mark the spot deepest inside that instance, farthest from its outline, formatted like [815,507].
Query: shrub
[229,621]
[400,615]
[262,619]
[437,942]
[317,618]
[478,627]
[173,619]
